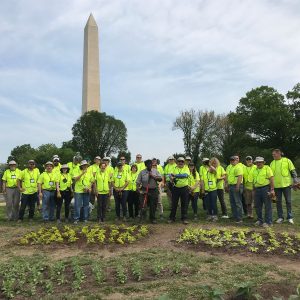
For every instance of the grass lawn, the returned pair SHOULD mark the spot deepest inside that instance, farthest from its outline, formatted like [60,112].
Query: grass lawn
[154,267]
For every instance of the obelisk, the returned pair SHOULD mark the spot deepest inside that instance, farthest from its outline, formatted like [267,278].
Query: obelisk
[91,80]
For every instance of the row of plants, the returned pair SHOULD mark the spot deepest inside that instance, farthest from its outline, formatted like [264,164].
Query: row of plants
[27,278]
[88,234]
[267,241]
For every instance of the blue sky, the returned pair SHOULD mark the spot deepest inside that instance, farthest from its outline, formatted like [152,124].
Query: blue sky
[157,58]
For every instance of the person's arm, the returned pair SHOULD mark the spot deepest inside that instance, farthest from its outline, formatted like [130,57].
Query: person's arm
[40,191]
[239,181]
[4,187]
[76,178]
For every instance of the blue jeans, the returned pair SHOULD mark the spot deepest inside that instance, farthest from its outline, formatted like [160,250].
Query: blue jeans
[262,199]
[288,200]
[211,203]
[81,200]
[120,200]
[236,202]
[48,205]
[194,200]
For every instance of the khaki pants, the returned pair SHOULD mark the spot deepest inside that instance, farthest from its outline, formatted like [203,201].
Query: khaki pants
[12,198]
[249,196]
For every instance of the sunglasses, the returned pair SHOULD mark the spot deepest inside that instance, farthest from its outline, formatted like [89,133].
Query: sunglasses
[122,158]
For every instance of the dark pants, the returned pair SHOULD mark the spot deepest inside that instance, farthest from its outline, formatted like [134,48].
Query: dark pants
[183,195]
[120,200]
[262,199]
[65,197]
[211,203]
[236,202]
[101,206]
[133,204]
[28,200]
[220,193]
[288,200]
[244,204]
[193,198]
[152,199]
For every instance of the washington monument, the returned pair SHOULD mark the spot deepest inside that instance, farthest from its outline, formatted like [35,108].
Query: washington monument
[91,80]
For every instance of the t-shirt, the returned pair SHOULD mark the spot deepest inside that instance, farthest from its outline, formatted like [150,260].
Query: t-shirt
[102,180]
[193,180]
[48,180]
[56,169]
[220,173]
[65,181]
[84,182]
[247,173]
[93,169]
[140,166]
[73,168]
[110,170]
[120,178]
[233,172]
[132,181]
[169,169]
[282,172]
[11,177]
[209,179]
[160,170]
[29,179]
[261,177]
[182,181]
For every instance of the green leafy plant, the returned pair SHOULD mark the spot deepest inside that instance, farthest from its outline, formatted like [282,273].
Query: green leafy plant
[136,269]
[98,272]
[213,293]
[121,274]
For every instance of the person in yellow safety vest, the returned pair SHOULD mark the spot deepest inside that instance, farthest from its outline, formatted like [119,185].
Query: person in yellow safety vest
[93,170]
[139,163]
[110,170]
[194,189]
[133,195]
[160,170]
[102,191]
[248,185]
[221,176]
[188,160]
[180,180]
[208,179]
[202,170]
[27,184]
[263,182]
[48,183]
[83,185]
[126,167]
[168,170]
[64,193]
[242,190]
[234,182]
[74,165]
[120,182]
[56,164]
[285,176]
[10,191]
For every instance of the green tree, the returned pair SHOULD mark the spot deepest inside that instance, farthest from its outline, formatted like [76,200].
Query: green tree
[96,133]
[21,154]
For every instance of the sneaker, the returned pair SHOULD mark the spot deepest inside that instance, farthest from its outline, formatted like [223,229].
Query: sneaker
[291,221]
[185,222]
[258,223]
[215,218]
[279,221]
[225,217]
[239,222]
[265,225]
[75,222]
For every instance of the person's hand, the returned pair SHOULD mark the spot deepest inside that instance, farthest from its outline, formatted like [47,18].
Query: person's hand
[58,194]
[237,188]
[226,189]
[22,190]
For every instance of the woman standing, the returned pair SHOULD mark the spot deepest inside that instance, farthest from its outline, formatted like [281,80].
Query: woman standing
[194,189]
[133,196]
[64,192]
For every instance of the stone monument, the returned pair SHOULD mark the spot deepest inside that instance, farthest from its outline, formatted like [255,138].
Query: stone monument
[91,77]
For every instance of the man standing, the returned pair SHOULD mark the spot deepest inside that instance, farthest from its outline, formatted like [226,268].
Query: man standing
[147,184]
[235,185]
[284,176]
[93,170]
[110,171]
[74,166]
[160,170]
[139,163]
[28,186]
[180,179]
[10,191]
[125,166]
[169,169]
[263,181]
[237,157]
[202,171]
[248,185]
[56,165]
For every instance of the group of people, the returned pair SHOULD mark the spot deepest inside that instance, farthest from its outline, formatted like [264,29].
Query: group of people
[138,188]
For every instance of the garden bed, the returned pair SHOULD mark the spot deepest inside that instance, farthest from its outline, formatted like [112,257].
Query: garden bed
[242,241]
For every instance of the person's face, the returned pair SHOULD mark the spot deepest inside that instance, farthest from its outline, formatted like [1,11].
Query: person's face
[105,162]
[49,168]
[171,161]
[187,161]
[191,168]
[120,167]
[206,163]
[64,171]
[180,163]
[234,162]
[154,163]
[76,161]
[56,162]
[84,167]
[138,158]
[214,163]
[260,164]
[249,162]
[31,165]
[102,167]
[123,161]
[276,155]
[133,170]
[97,161]
[12,167]
[237,159]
